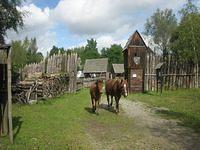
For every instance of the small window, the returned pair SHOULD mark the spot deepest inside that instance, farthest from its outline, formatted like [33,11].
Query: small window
[135,54]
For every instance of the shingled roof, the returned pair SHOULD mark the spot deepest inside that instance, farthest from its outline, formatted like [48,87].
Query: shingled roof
[130,39]
[118,68]
[96,65]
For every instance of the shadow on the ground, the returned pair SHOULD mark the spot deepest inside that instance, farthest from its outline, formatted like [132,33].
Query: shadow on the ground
[101,106]
[186,119]
[105,107]
[17,123]
[89,110]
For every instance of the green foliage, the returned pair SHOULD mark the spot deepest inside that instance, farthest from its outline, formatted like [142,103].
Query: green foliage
[32,55]
[114,54]
[80,52]
[19,55]
[189,8]
[160,26]
[24,52]
[66,123]
[186,38]
[55,50]
[90,51]
[10,17]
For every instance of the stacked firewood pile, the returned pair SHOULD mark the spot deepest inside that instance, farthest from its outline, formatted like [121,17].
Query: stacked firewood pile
[31,90]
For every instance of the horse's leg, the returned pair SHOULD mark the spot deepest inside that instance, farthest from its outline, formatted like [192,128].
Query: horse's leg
[97,105]
[108,100]
[93,105]
[111,101]
[117,104]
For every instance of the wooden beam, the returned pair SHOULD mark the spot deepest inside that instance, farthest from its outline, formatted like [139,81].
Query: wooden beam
[9,96]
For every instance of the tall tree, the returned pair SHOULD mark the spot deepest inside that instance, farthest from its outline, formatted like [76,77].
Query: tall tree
[185,40]
[91,50]
[80,52]
[19,55]
[160,26]
[55,50]
[114,54]
[32,55]
[10,17]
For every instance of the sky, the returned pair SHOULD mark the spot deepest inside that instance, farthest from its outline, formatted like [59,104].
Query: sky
[69,23]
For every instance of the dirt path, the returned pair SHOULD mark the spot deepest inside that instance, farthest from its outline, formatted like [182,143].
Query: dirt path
[166,133]
[148,131]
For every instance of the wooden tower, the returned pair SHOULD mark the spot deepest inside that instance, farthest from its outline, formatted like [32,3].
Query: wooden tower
[134,62]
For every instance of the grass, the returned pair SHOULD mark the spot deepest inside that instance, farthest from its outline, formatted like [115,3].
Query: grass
[182,104]
[66,122]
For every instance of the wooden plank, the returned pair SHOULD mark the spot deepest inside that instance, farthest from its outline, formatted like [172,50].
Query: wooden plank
[9,98]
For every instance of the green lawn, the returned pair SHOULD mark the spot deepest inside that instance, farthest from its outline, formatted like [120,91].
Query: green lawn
[183,104]
[67,123]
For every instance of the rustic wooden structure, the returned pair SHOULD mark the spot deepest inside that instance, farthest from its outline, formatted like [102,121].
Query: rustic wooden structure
[159,76]
[96,68]
[50,77]
[135,52]
[55,65]
[175,74]
[117,71]
[5,92]
[47,86]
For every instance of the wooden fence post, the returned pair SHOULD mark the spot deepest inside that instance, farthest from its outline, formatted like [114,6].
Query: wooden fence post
[9,97]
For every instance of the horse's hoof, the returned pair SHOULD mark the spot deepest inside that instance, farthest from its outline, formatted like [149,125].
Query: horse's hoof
[93,110]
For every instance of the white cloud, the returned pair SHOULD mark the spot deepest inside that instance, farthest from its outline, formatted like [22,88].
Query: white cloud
[37,23]
[108,21]
[36,17]
[104,16]
[107,41]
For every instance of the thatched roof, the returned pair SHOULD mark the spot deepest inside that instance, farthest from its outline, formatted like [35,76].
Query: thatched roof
[118,68]
[96,65]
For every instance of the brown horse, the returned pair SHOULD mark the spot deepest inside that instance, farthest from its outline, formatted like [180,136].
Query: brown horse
[95,93]
[116,88]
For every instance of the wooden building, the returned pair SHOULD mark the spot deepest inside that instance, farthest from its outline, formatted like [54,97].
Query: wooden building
[117,70]
[134,53]
[96,68]
[5,92]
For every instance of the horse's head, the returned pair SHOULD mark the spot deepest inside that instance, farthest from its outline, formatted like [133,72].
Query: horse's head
[99,85]
[124,87]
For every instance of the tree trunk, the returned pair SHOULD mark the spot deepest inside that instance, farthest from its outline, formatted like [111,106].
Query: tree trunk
[2,40]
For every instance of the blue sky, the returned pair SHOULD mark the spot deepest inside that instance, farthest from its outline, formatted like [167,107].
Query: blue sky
[69,23]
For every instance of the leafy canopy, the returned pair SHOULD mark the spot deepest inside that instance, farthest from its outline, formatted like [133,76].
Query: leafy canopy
[160,26]
[10,17]
[186,38]
[55,50]
[114,54]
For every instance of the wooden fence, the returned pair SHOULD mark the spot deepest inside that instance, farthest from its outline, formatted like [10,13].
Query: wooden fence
[175,74]
[56,64]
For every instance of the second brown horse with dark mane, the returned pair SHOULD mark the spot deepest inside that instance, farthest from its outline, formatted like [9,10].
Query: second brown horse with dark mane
[95,93]
[116,88]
